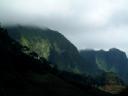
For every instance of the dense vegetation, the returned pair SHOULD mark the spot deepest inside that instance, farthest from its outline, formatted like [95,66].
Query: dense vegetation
[109,68]
[90,70]
[49,44]
[114,61]
[25,74]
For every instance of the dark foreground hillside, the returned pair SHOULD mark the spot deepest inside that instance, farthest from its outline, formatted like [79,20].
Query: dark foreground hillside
[29,75]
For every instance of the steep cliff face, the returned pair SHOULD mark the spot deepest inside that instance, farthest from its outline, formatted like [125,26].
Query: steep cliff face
[113,60]
[89,58]
[49,44]
[24,75]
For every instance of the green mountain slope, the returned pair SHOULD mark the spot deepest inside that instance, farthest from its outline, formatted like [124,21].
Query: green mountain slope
[63,55]
[24,75]
[49,44]
[89,57]
[114,61]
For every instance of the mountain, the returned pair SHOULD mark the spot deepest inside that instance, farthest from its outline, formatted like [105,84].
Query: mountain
[23,74]
[91,66]
[49,44]
[114,61]
[102,68]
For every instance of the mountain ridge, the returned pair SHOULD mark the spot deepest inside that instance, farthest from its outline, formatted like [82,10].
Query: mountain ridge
[113,60]
[49,44]
[25,75]
[54,47]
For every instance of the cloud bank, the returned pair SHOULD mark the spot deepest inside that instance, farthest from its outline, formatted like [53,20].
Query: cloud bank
[96,24]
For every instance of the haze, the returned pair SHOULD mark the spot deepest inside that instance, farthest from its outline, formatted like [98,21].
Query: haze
[95,24]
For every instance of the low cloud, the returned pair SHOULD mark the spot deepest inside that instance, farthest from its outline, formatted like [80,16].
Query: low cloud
[98,24]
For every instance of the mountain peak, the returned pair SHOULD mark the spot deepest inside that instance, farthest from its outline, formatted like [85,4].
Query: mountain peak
[115,50]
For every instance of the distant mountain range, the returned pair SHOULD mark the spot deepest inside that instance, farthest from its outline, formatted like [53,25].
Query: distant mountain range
[114,61]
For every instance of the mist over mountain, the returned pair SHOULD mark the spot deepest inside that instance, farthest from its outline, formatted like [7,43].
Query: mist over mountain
[25,74]
[98,24]
[104,70]
[49,44]
[64,47]
[62,54]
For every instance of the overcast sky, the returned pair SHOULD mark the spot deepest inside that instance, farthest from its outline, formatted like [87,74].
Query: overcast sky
[95,24]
